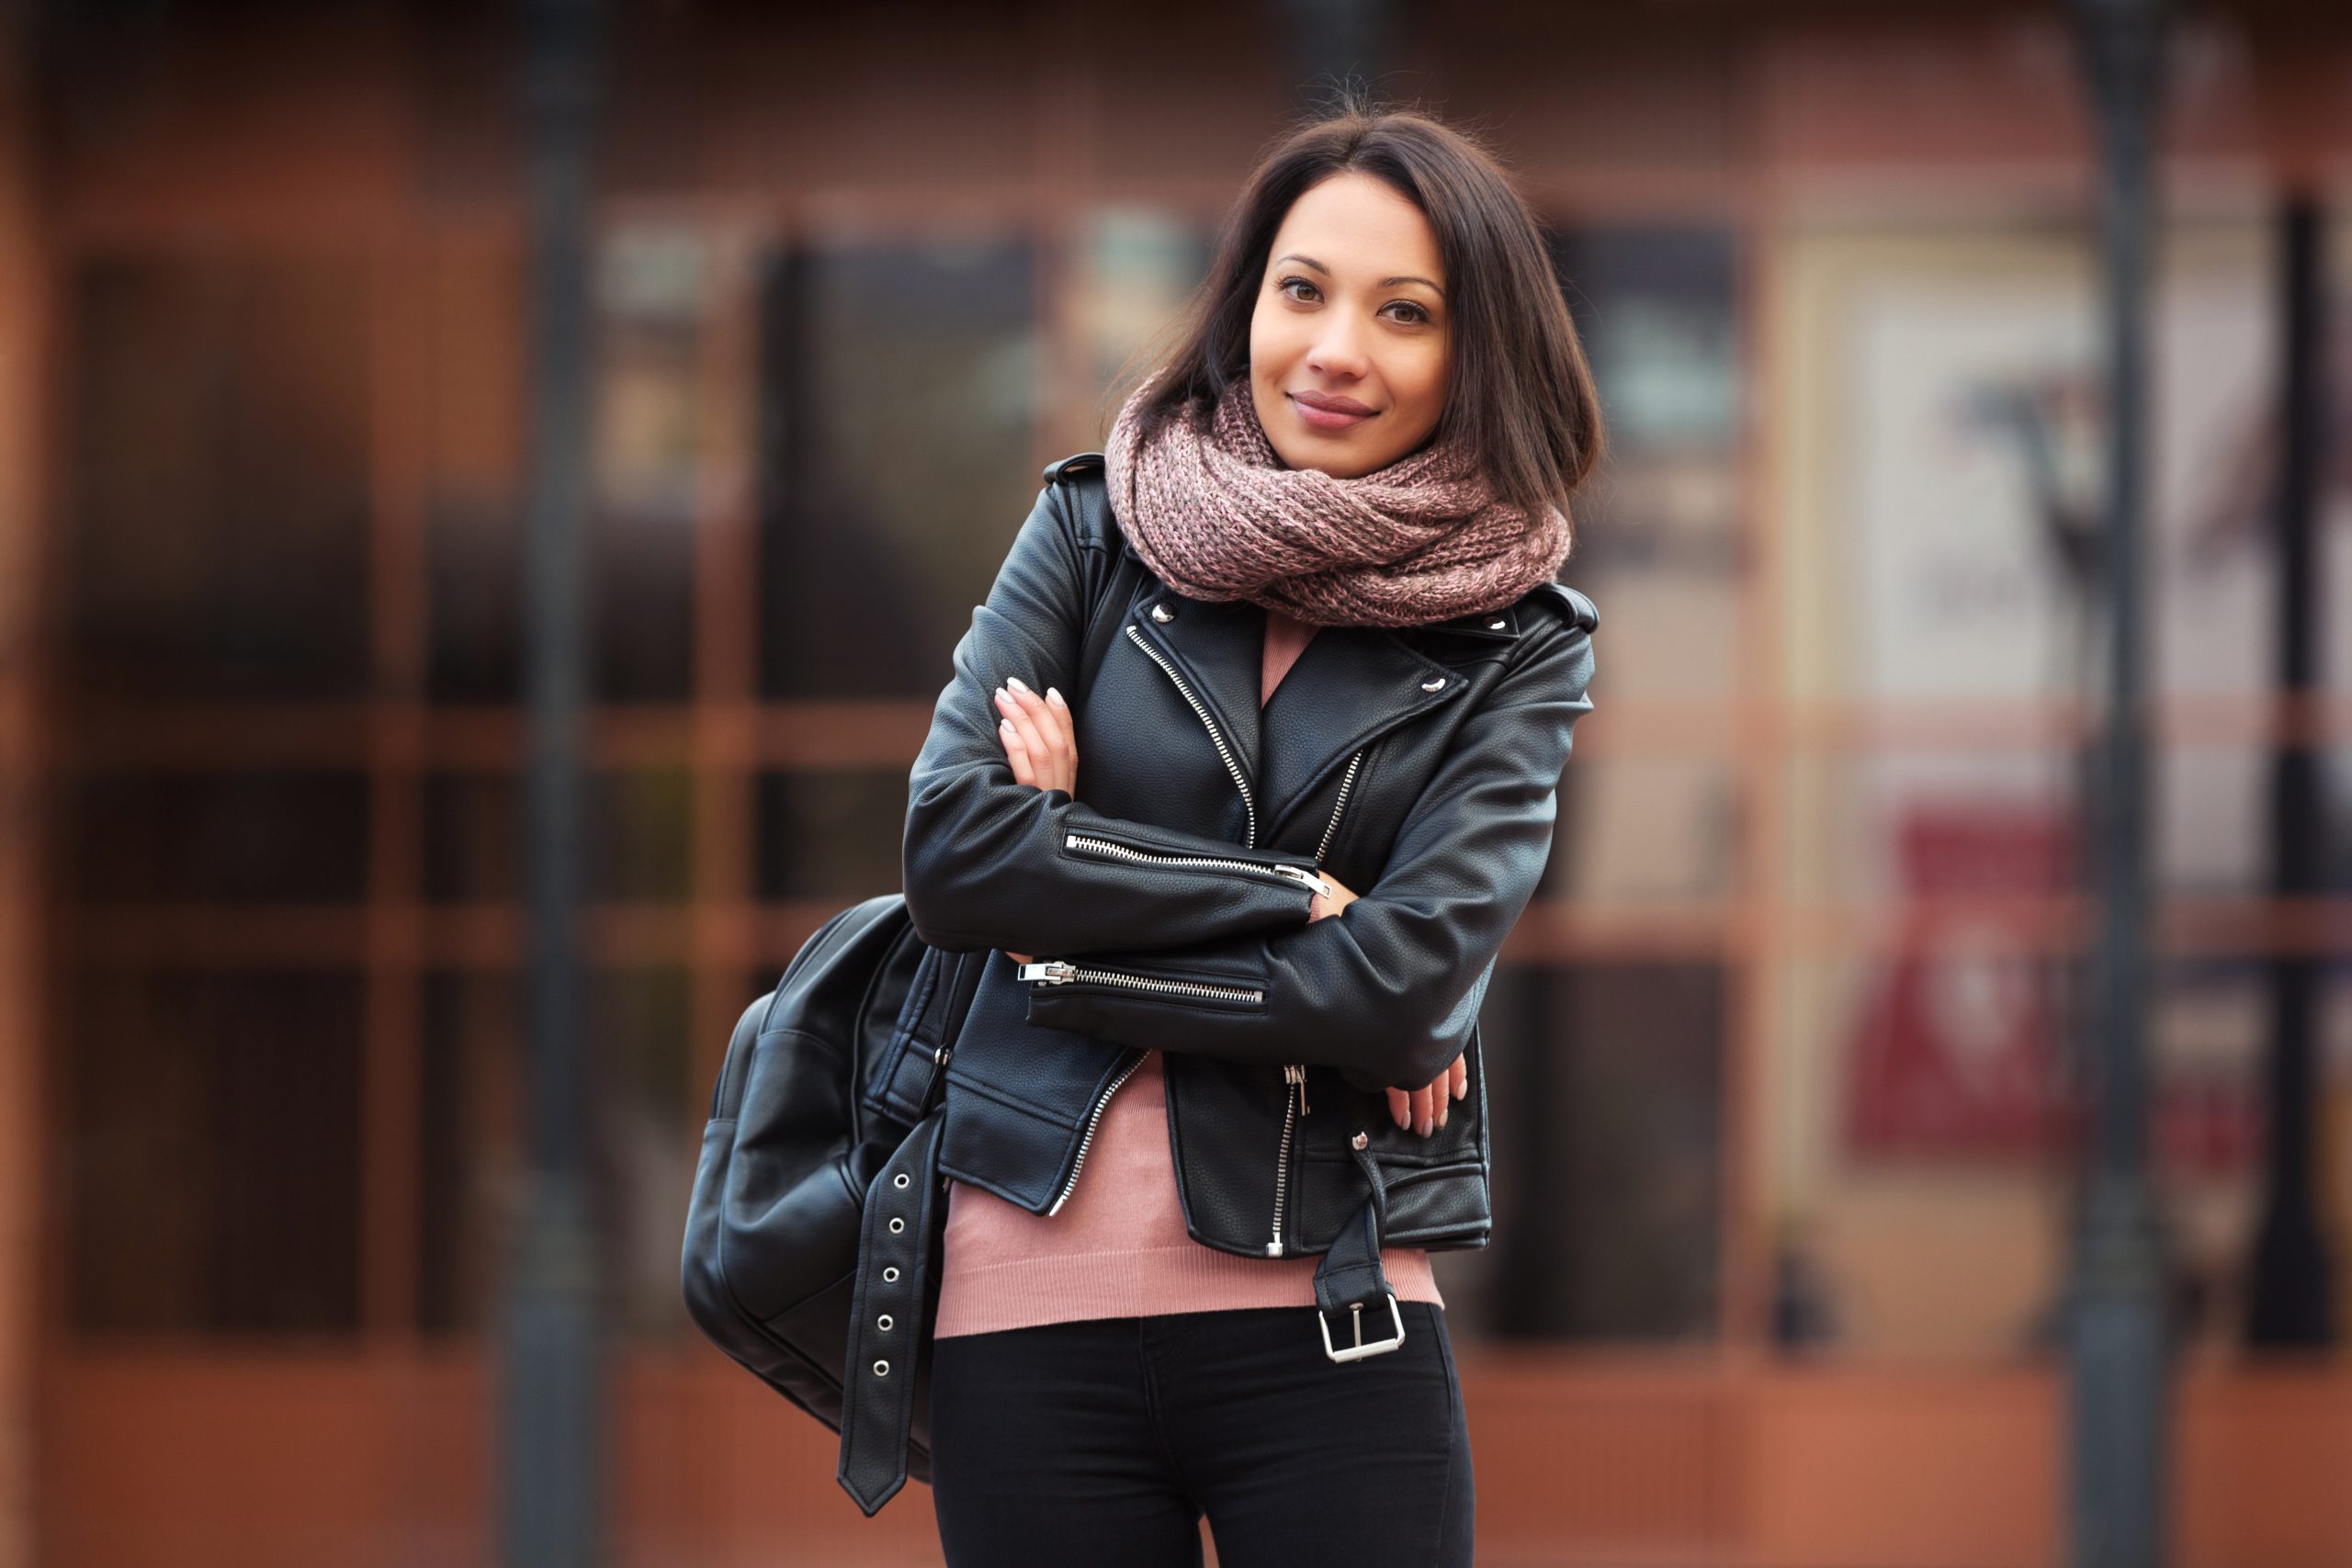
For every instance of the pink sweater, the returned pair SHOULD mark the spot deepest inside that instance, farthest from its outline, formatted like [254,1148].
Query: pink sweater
[1119,1248]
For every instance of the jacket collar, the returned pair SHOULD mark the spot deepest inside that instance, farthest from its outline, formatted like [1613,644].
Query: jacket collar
[1349,686]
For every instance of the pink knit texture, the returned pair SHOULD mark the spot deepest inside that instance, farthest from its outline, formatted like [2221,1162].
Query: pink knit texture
[1222,517]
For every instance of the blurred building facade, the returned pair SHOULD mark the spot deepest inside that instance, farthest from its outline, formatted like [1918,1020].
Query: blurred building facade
[1785,1174]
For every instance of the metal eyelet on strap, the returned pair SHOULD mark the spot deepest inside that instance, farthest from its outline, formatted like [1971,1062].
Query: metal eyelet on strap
[890,1275]
[901,1179]
[881,1368]
[883,1322]
[1360,1140]
[897,1225]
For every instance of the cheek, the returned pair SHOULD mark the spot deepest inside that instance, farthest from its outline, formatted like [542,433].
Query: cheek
[1270,349]
[1420,383]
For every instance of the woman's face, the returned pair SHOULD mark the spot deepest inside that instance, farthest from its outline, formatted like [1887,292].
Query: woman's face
[1351,316]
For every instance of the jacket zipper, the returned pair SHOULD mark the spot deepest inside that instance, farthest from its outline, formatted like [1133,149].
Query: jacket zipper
[1300,875]
[1054,972]
[1249,806]
[1086,1143]
[1295,1073]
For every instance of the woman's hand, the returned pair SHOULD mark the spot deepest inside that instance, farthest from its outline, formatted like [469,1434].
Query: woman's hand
[1426,1108]
[1422,1108]
[1039,741]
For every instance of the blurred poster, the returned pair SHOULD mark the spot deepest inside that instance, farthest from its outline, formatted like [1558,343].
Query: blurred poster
[1956,1050]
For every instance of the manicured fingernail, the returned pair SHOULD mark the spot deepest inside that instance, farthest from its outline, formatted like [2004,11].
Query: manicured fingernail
[1462,1089]
[1403,1117]
[1015,682]
[1441,1115]
[1005,725]
[1054,696]
[1425,1126]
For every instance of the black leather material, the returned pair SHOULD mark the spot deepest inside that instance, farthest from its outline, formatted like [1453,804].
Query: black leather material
[1420,766]
[831,1087]
[888,1368]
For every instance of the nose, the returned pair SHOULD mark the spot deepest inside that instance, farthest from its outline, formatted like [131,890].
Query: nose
[1338,350]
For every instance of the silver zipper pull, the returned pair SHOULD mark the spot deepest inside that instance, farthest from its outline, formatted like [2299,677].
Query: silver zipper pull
[1051,971]
[1309,878]
[1295,1073]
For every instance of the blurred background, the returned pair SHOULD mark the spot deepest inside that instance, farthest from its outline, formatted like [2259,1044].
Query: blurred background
[1787,1176]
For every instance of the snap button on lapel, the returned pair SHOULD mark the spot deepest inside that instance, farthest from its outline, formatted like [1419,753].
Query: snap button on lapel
[1495,624]
[1162,614]
[1435,683]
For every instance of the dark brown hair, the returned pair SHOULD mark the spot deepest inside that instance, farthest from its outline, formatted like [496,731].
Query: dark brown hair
[1519,395]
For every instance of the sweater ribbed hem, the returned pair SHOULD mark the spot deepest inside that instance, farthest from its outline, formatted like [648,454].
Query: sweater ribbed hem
[1067,1288]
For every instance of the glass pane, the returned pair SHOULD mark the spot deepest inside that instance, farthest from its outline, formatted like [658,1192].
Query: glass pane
[1604,1087]
[474,550]
[645,1155]
[1136,268]
[1632,829]
[654,289]
[641,839]
[898,396]
[1656,537]
[475,1133]
[472,1143]
[1922,1107]
[212,1154]
[831,835]
[218,471]
[1931,823]
[2212,822]
[234,838]
[474,500]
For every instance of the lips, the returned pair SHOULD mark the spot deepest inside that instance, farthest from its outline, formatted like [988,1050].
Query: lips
[1323,412]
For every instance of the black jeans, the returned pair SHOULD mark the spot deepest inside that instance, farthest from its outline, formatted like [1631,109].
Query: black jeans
[1105,1441]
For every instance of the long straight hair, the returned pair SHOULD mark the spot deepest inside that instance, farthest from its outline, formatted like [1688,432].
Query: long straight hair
[1520,395]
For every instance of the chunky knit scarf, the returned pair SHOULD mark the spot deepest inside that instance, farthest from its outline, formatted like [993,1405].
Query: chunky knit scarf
[1423,539]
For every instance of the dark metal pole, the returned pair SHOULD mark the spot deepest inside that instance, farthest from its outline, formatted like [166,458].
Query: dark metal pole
[553,1458]
[2116,1321]
[2293,1295]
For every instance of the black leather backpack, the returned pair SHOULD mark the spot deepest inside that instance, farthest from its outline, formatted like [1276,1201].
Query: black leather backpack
[829,1098]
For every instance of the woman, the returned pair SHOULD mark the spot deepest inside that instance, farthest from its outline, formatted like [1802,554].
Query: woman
[1320,635]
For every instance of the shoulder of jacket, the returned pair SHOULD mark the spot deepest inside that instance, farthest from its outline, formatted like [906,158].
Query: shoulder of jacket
[1548,607]
[1080,477]
[1569,603]
[1075,464]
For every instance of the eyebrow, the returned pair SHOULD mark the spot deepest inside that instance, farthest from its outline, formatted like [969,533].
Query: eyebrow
[1384,283]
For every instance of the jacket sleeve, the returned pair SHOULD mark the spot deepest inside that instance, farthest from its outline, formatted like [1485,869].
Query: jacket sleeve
[1387,991]
[992,863]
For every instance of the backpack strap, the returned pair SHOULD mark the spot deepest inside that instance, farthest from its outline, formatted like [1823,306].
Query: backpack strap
[889,1323]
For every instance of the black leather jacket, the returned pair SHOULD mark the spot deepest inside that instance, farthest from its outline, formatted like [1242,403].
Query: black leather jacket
[1169,907]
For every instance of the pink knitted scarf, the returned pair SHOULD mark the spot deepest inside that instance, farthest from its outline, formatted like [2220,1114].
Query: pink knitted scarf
[1423,539]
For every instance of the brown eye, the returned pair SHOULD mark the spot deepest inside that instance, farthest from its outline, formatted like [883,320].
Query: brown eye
[1418,317]
[1285,284]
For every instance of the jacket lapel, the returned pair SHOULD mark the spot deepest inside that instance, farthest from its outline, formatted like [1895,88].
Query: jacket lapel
[1349,686]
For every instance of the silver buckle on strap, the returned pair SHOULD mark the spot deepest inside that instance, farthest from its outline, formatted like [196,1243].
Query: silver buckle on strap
[1359,1351]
